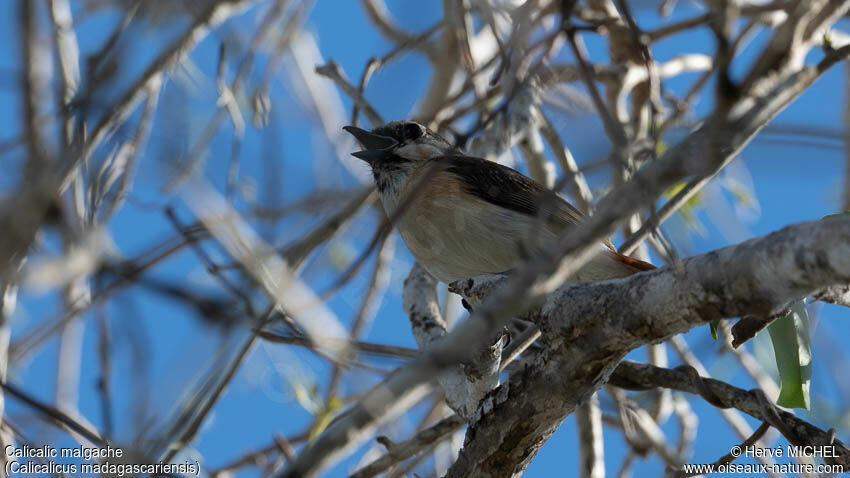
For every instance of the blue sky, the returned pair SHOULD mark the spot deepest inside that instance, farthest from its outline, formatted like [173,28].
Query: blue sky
[162,348]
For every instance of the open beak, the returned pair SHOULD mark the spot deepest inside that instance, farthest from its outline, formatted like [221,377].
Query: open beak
[375,146]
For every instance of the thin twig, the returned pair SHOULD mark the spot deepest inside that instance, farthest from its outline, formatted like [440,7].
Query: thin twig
[56,415]
[729,457]
[116,113]
[332,71]
[198,411]
[401,451]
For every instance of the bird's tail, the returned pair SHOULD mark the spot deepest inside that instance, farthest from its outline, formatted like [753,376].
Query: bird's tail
[636,265]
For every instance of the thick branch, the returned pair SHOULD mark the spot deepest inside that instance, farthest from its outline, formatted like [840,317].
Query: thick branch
[466,385]
[589,327]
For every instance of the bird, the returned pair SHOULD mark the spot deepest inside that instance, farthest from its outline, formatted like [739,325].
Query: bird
[461,216]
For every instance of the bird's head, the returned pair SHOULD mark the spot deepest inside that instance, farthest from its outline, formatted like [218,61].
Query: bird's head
[398,141]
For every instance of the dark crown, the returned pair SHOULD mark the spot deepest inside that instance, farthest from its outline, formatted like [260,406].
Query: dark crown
[402,131]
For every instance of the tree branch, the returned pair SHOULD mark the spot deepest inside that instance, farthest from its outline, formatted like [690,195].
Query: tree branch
[399,452]
[638,376]
[589,327]
[465,386]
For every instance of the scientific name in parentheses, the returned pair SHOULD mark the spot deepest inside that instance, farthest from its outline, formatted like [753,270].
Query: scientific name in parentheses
[28,451]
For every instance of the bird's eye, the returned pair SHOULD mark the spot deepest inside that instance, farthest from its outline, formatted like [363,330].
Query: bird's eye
[412,131]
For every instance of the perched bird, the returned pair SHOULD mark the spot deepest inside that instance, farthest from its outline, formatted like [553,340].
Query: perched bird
[465,216]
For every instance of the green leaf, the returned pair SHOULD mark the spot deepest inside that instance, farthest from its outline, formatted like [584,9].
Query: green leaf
[661,147]
[713,325]
[324,418]
[741,193]
[843,213]
[792,350]
[305,395]
[689,210]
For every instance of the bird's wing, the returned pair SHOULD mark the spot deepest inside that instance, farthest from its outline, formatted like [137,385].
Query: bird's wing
[505,187]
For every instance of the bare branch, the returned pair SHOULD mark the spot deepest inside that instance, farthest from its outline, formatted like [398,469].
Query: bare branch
[589,423]
[380,17]
[296,253]
[465,387]
[55,415]
[631,374]
[399,452]
[116,113]
[332,71]
[732,416]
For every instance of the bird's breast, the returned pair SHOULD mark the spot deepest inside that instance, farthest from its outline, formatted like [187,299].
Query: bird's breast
[456,235]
